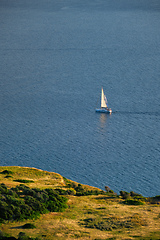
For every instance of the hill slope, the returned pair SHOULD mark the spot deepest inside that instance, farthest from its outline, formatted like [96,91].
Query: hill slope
[91,213]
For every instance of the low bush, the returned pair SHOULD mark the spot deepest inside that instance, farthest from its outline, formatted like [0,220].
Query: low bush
[23,236]
[69,183]
[81,191]
[28,226]
[8,176]
[24,181]
[3,189]
[23,202]
[124,194]
[154,200]
[115,222]
[133,194]
[65,192]
[89,192]
[7,172]
[133,202]
[4,236]
[78,190]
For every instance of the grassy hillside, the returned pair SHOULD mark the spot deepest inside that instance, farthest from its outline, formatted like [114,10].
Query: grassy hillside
[91,213]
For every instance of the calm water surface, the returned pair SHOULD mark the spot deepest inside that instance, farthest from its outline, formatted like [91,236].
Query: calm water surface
[54,58]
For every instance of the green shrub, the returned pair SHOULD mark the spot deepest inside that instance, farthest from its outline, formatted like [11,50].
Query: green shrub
[12,193]
[28,226]
[66,192]
[56,203]
[124,194]
[20,188]
[5,212]
[23,236]
[4,236]
[23,202]
[107,188]
[8,176]
[107,224]
[3,189]
[154,200]
[34,204]
[7,172]
[77,189]
[133,202]
[133,194]
[1,221]
[24,181]
[81,191]
[69,183]
[115,222]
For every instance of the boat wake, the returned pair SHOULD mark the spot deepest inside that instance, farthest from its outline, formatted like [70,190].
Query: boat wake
[137,113]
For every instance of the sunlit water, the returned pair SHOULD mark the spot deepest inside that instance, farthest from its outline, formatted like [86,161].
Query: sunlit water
[54,58]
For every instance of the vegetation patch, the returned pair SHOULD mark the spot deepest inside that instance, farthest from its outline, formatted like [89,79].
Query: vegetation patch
[23,181]
[127,195]
[154,200]
[8,176]
[21,236]
[132,198]
[28,226]
[23,202]
[152,236]
[111,223]
[6,172]
[133,202]
[65,192]
[79,189]
[87,217]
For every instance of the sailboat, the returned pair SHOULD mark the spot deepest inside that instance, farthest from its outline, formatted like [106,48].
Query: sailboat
[104,104]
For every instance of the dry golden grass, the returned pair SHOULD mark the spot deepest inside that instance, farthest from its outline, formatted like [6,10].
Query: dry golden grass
[145,219]
[42,179]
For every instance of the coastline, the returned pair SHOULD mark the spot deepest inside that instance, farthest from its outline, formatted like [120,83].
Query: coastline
[89,213]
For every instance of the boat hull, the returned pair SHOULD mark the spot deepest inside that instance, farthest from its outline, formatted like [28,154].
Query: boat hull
[104,110]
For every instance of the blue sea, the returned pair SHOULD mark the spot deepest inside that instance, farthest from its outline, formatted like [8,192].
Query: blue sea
[55,55]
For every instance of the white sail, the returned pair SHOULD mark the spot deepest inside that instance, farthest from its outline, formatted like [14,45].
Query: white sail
[104,105]
[103,100]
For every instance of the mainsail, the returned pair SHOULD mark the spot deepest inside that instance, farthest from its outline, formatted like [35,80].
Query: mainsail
[103,100]
[104,105]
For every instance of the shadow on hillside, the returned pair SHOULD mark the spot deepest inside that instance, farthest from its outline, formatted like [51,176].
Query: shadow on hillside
[106,197]
[18,227]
